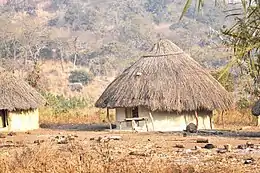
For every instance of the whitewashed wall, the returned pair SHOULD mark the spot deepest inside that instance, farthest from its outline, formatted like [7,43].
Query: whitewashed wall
[165,121]
[23,120]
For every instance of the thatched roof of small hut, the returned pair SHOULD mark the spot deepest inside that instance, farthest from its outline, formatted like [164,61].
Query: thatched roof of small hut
[16,94]
[167,79]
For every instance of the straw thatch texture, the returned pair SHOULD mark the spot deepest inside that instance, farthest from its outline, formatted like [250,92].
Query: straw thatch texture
[165,80]
[16,94]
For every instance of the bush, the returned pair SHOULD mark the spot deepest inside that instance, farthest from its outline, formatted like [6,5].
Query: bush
[243,103]
[81,76]
[60,104]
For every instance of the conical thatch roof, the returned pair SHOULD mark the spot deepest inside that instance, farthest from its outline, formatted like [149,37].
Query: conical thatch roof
[167,80]
[16,94]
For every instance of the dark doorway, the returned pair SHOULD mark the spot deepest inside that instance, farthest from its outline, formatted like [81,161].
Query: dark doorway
[135,112]
[3,119]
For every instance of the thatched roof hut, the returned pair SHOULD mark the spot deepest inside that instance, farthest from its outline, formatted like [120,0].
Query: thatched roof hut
[16,94]
[19,104]
[167,79]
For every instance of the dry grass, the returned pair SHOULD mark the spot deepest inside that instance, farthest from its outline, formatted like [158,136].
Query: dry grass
[46,159]
[98,158]
[76,116]
[238,118]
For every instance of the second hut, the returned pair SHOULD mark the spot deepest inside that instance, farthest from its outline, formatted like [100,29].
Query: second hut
[19,104]
[168,88]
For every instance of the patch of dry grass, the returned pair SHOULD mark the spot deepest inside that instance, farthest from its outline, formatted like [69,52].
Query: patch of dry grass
[98,158]
[73,158]
[242,117]
[76,116]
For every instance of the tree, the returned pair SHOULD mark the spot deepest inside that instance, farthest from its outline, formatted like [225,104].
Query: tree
[243,37]
[23,37]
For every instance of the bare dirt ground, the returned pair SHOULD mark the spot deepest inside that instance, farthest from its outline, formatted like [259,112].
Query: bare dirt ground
[142,148]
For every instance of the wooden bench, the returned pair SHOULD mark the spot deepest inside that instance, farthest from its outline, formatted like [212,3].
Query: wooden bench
[133,120]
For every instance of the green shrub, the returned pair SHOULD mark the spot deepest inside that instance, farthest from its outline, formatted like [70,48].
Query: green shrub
[60,104]
[81,76]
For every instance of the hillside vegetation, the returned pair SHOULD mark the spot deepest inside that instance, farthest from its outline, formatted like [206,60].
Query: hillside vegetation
[104,33]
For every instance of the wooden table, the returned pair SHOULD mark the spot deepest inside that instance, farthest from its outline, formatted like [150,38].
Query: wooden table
[133,120]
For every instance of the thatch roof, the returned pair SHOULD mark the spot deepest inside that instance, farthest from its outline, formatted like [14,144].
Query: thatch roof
[16,94]
[167,79]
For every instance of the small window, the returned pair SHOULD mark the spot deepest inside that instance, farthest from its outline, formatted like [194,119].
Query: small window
[135,112]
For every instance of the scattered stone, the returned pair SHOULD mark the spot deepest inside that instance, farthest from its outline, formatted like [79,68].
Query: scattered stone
[162,155]
[106,138]
[136,153]
[191,128]
[115,137]
[99,139]
[103,139]
[250,149]
[249,161]
[202,140]
[28,133]
[9,141]
[38,141]
[221,151]
[11,134]
[249,144]
[43,125]
[209,146]
[257,146]
[242,146]
[62,141]
[179,146]
[184,134]
[228,147]
[71,138]
[149,139]
[158,146]
[19,142]
[2,135]
[8,145]
[197,147]
[187,151]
